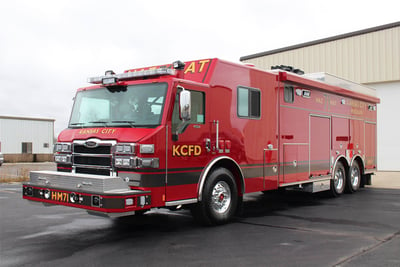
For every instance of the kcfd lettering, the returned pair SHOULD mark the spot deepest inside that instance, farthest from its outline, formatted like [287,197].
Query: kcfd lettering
[186,150]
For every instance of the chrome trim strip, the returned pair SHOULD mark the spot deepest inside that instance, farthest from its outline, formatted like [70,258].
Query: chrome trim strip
[93,155]
[93,166]
[99,141]
[110,214]
[181,202]
[319,179]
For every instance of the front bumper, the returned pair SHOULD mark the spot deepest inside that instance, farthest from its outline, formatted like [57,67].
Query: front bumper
[100,195]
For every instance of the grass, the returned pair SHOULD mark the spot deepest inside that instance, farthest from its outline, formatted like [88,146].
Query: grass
[13,179]
[21,176]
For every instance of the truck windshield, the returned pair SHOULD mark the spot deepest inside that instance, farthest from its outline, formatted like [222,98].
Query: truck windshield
[137,106]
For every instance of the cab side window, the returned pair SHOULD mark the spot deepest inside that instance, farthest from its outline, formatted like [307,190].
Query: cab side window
[248,103]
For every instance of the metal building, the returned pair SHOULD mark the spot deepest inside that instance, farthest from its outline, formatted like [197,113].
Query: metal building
[26,139]
[370,57]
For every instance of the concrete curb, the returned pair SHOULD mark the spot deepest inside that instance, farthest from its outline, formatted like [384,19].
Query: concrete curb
[389,180]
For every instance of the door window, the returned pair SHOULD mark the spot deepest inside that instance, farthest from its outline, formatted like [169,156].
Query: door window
[197,110]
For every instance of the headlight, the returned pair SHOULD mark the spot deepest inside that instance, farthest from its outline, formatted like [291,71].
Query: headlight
[60,158]
[62,147]
[47,194]
[129,202]
[125,162]
[148,163]
[125,149]
[135,162]
[147,148]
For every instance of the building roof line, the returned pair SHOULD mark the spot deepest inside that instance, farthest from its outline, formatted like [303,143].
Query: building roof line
[26,118]
[324,40]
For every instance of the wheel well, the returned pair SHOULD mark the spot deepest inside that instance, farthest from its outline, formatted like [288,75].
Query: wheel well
[227,163]
[360,164]
[235,170]
[344,162]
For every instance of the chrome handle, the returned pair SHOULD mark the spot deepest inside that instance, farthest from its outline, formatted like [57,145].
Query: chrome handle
[208,144]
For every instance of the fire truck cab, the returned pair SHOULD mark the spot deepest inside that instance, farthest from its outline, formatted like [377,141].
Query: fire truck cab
[201,134]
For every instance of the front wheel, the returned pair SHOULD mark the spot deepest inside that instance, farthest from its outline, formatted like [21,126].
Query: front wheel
[338,181]
[219,199]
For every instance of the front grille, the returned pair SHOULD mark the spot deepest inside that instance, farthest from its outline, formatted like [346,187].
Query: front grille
[94,150]
[92,160]
[82,159]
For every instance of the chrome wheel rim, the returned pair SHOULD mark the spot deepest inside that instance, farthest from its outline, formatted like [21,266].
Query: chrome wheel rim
[221,197]
[355,177]
[339,179]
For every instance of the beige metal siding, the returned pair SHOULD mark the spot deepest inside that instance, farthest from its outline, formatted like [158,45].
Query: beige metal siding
[367,58]
[16,130]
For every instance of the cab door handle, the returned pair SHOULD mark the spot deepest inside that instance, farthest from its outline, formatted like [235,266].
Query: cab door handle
[207,145]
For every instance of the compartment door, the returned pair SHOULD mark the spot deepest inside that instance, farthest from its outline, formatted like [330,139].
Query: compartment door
[320,140]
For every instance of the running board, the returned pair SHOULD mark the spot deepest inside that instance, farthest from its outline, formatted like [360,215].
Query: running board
[310,186]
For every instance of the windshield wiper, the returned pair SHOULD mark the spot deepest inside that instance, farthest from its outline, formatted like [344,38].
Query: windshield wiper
[131,123]
[103,122]
[77,124]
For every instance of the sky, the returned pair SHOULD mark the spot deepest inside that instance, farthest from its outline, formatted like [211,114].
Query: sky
[49,48]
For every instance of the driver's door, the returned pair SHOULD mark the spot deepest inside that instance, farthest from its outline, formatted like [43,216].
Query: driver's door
[187,141]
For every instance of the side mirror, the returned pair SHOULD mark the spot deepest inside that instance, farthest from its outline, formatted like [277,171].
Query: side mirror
[184,104]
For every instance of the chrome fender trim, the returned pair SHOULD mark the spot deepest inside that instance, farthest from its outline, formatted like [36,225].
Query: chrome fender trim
[207,169]
[362,161]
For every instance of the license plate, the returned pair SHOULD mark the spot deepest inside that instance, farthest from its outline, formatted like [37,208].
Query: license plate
[59,196]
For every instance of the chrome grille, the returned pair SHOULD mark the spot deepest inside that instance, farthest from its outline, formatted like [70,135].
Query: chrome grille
[93,156]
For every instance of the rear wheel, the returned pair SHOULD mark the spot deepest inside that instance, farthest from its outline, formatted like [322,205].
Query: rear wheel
[338,181]
[353,183]
[219,199]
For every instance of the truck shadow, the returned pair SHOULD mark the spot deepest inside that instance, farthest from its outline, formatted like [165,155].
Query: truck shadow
[264,204]
[254,205]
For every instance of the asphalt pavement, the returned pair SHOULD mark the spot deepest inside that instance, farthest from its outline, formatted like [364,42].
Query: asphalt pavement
[291,229]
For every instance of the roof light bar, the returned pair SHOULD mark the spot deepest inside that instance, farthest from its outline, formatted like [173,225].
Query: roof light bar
[113,78]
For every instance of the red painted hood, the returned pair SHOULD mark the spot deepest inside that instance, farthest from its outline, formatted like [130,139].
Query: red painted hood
[118,134]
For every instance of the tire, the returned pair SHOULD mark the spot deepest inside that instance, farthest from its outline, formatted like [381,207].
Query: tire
[219,199]
[338,182]
[354,178]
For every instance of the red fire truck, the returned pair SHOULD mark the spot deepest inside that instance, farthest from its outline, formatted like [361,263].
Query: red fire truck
[201,135]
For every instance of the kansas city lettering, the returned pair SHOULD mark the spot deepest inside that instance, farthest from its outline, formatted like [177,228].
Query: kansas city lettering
[186,150]
[60,196]
[97,131]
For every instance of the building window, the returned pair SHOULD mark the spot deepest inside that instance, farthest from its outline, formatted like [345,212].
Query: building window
[288,92]
[27,148]
[248,103]
[46,145]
